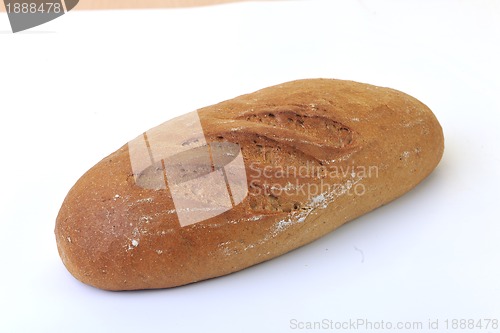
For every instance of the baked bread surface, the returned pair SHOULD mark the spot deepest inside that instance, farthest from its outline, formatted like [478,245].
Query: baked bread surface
[317,153]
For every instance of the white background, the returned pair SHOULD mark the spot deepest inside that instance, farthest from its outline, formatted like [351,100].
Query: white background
[76,89]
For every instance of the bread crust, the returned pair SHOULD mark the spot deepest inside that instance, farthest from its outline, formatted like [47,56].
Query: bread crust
[317,153]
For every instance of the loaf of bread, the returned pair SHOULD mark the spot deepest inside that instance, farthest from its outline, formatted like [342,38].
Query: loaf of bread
[243,181]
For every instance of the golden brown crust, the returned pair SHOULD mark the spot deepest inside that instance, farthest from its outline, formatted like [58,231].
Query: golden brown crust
[331,150]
